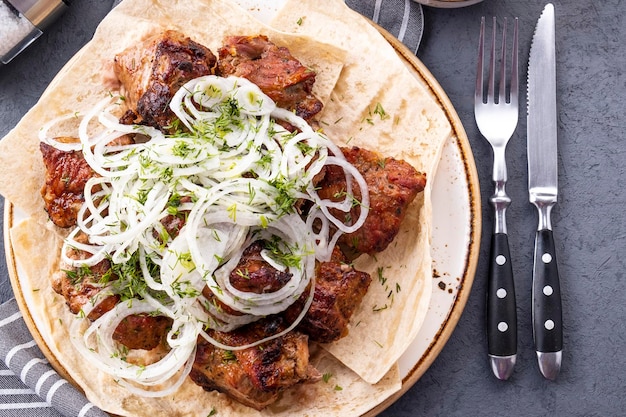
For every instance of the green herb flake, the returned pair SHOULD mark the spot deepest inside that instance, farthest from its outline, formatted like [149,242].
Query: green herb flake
[376,309]
[282,253]
[381,277]
[232,212]
[380,111]
[229,356]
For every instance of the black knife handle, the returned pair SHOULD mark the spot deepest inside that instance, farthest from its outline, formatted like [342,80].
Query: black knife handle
[501,309]
[547,316]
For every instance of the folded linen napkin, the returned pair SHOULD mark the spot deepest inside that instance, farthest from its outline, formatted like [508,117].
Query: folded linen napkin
[28,384]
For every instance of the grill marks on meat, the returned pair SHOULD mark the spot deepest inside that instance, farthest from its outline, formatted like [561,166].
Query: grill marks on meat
[154,70]
[339,290]
[279,75]
[65,178]
[254,376]
[393,184]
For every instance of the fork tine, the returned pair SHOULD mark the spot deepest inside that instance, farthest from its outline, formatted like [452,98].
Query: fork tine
[514,67]
[492,64]
[503,96]
[502,87]
[478,92]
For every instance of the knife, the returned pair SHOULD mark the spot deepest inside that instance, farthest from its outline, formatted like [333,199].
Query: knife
[543,190]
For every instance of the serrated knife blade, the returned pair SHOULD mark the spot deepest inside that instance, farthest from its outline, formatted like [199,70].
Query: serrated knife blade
[543,191]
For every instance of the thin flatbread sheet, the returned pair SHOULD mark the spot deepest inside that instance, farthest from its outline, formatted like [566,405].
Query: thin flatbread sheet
[343,394]
[379,104]
[86,79]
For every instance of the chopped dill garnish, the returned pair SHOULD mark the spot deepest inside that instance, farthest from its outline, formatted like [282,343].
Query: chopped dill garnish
[380,111]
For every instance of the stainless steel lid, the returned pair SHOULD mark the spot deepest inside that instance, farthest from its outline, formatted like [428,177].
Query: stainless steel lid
[40,12]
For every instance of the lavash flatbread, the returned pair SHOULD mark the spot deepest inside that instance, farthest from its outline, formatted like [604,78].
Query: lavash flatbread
[415,131]
[79,85]
[344,394]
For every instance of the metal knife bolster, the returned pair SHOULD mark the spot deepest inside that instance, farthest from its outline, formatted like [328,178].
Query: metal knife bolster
[544,198]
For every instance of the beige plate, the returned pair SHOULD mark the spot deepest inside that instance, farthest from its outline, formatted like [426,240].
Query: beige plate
[455,245]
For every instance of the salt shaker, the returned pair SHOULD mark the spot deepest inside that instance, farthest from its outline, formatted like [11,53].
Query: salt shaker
[23,21]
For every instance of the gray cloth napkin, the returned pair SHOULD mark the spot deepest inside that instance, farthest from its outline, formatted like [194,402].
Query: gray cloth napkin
[28,384]
[404,19]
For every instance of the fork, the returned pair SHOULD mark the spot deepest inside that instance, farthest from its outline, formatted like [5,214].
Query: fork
[496,114]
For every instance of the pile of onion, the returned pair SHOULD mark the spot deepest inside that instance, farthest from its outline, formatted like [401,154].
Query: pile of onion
[235,174]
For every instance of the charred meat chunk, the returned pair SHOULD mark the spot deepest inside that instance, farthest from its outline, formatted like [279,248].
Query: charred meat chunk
[214,302]
[77,293]
[339,290]
[254,274]
[65,178]
[154,70]
[67,172]
[254,376]
[393,184]
[137,331]
[142,331]
[79,286]
[277,73]
[173,223]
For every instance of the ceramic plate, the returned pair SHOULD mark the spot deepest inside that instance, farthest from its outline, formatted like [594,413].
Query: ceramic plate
[455,240]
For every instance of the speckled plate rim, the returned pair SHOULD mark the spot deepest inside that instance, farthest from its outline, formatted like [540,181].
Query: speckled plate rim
[458,294]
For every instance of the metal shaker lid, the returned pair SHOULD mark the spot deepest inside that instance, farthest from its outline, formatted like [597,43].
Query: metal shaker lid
[40,12]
